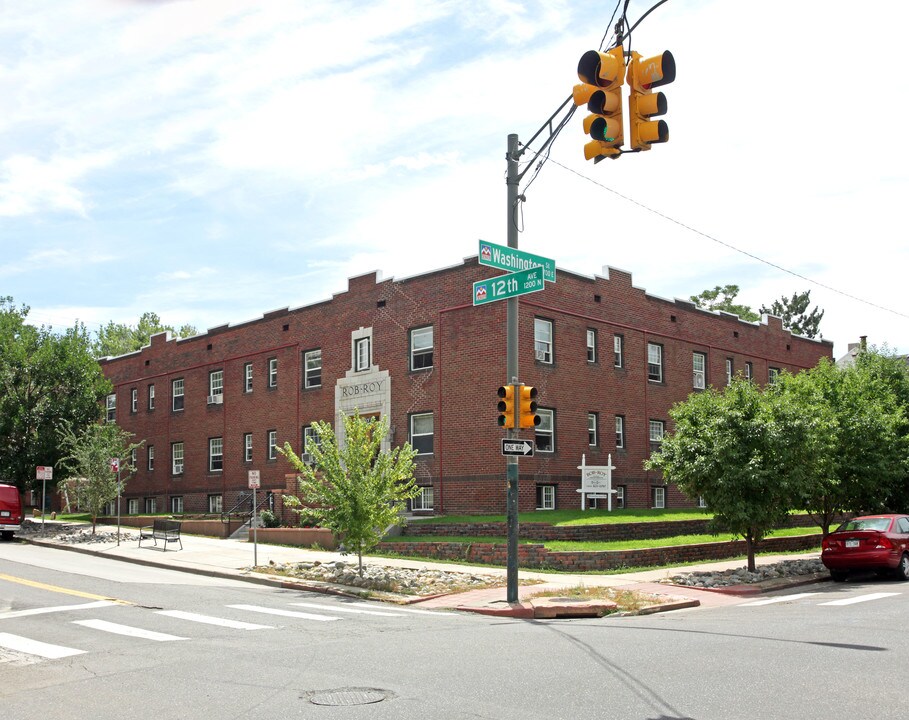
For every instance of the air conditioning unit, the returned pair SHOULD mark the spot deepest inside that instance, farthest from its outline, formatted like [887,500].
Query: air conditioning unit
[306,458]
[541,355]
[215,399]
[178,469]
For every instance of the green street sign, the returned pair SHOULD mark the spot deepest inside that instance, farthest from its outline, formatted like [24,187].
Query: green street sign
[506,286]
[511,259]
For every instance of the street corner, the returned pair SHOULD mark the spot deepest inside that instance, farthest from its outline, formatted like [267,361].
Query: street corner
[764,586]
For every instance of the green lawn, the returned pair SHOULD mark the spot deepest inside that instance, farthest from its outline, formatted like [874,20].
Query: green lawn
[593,545]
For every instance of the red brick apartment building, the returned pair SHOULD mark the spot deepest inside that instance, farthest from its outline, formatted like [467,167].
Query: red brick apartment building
[608,360]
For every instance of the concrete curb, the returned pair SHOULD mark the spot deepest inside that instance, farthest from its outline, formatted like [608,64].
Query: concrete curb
[761,587]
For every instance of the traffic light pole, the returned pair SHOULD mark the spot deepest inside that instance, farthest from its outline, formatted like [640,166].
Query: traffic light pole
[511,328]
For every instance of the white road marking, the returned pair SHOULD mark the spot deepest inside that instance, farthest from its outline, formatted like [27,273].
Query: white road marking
[207,619]
[283,613]
[335,608]
[860,598]
[127,630]
[783,598]
[434,613]
[57,608]
[34,647]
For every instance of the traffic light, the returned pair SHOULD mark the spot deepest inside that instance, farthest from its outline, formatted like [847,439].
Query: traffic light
[506,406]
[602,76]
[527,407]
[643,103]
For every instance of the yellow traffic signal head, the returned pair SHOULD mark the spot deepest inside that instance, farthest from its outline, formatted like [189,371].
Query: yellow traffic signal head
[602,76]
[527,408]
[643,103]
[602,69]
[506,406]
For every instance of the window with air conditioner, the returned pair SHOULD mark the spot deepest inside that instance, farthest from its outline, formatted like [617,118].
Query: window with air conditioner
[176,454]
[542,340]
[216,387]
[699,366]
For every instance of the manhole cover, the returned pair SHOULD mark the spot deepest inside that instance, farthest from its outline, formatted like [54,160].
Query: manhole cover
[348,696]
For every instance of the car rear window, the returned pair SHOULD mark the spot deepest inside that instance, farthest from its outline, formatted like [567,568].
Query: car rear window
[866,524]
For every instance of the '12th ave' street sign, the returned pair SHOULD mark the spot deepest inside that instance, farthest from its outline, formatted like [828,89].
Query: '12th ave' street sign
[512,259]
[506,286]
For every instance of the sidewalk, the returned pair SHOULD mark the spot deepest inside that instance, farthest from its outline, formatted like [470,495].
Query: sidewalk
[234,559]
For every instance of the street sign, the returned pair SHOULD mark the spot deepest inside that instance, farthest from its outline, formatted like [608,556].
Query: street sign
[524,448]
[506,286]
[254,480]
[512,259]
[115,465]
[44,472]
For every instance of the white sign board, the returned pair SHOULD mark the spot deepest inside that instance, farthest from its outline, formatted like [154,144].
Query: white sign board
[596,481]
[45,472]
[254,480]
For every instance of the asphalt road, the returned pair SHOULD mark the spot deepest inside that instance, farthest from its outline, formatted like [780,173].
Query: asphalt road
[86,637]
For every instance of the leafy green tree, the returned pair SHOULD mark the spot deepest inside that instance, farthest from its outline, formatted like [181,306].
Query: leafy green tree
[47,380]
[743,450]
[356,490]
[723,298]
[87,461]
[794,314]
[116,339]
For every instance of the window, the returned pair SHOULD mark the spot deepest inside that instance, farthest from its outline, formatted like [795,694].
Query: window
[312,369]
[151,505]
[656,431]
[111,408]
[134,400]
[546,497]
[545,437]
[654,362]
[618,351]
[151,397]
[619,496]
[215,504]
[272,444]
[542,340]
[702,503]
[592,429]
[176,504]
[749,370]
[247,447]
[215,454]
[362,357]
[591,345]
[247,377]
[176,455]
[772,374]
[699,366]
[619,432]
[216,386]
[273,372]
[729,372]
[421,428]
[132,506]
[150,463]
[309,433]
[421,348]
[658,498]
[423,501]
[177,394]
[133,459]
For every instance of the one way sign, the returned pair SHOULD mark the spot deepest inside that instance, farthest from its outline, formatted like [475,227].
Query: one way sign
[523,448]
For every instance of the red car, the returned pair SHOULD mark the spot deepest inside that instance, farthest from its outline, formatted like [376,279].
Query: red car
[872,542]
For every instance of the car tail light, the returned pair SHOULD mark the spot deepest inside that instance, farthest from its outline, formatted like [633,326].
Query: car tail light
[883,543]
[827,543]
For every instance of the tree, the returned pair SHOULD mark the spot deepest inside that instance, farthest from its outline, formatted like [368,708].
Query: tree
[116,339]
[89,451]
[356,491]
[47,380]
[793,312]
[723,298]
[740,449]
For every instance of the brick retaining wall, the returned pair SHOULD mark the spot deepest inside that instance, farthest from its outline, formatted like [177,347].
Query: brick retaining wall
[536,556]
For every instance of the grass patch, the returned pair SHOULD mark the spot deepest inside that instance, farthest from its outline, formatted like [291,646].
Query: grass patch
[627,601]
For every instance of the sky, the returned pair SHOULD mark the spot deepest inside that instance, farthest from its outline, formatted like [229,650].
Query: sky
[212,160]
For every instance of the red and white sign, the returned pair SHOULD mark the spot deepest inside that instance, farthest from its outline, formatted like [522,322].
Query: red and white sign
[115,465]
[45,472]
[254,480]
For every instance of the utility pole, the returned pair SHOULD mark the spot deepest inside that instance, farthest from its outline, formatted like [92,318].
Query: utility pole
[511,468]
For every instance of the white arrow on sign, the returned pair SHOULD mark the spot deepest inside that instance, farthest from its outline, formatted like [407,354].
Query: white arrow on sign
[517,447]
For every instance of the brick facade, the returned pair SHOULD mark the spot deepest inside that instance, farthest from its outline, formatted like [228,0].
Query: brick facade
[465,468]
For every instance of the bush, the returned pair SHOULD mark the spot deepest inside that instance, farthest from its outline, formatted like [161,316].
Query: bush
[269,519]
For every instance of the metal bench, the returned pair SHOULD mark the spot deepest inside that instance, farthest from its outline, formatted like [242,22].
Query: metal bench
[164,530]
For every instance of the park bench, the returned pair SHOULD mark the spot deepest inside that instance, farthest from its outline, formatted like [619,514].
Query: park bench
[165,530]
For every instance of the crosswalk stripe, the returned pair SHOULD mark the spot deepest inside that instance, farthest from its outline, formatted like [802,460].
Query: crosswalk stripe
[335,608]
[57,608]
[222,622]
[127,630]
[434,613]
[783,598]
[860,598]
[283,613]
[35,647]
